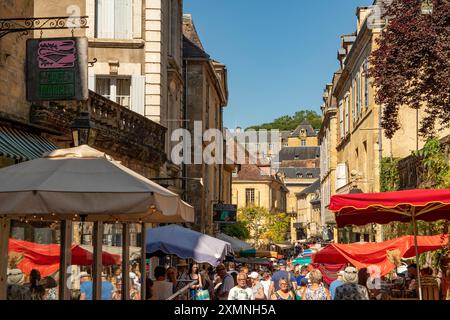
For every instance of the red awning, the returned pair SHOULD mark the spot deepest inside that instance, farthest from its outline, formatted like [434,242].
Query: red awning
[45,257]
[362,255]
[385,207]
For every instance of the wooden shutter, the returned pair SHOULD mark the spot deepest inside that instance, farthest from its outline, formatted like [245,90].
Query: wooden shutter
[105,19]
[123,26]
[138,94]
[91,82]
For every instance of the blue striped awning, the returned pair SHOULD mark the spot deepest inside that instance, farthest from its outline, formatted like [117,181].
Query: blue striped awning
[22,145]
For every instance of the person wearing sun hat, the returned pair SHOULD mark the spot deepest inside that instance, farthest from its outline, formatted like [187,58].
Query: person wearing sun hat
[351,290]
[16,289]
[336,283]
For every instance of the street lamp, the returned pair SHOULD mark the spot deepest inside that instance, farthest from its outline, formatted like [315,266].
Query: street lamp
[427,7]
[83,130]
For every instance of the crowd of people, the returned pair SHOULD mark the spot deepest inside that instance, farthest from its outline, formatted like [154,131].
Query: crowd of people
[227,282]
[285,282]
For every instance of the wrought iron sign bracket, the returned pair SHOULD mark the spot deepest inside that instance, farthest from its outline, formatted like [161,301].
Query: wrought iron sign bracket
[25,25]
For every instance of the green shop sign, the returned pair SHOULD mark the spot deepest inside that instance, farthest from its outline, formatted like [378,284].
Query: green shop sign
[57,69]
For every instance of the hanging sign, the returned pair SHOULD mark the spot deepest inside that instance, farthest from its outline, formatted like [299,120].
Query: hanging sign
[57,69]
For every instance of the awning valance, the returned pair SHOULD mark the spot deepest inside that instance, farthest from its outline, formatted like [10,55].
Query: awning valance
[22,145]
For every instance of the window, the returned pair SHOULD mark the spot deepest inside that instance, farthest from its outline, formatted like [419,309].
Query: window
[366,84]
[299,175]
[303,143]
[114,19]
[341,119]
[249,197]
[355,114]
[347,116]
[116,89]
[358,95]
[296,157]
[309,175]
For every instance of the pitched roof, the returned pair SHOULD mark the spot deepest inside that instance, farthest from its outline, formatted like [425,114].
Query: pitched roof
[299,153]
[313,188]
[310,132]
[309,173]
[191,50]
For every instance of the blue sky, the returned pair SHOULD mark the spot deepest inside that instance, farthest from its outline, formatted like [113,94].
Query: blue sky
[279,54]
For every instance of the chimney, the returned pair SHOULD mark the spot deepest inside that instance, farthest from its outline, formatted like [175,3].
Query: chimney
[362,13]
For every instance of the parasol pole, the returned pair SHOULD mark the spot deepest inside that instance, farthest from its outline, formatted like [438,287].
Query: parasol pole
[413,215]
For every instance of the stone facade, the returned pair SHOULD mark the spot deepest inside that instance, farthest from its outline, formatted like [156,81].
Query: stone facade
[206,95]
[328,154]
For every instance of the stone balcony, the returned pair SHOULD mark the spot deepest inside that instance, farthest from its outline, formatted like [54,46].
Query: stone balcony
[119,130]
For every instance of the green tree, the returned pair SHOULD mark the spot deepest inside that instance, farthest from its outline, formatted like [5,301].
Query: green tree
[278,227]
[238,230]
[289,123]
[255,219]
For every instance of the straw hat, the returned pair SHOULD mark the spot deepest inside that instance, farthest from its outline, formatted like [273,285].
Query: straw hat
[15,276]
[351,275]
[83,275]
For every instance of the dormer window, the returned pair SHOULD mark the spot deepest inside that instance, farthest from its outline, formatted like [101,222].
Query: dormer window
[309,175]
[296,157]
[299,175]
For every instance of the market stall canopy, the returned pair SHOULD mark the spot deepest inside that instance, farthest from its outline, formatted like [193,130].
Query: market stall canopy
[134,252]
[284,245]
[260,261]
[186,243]
[257,253]
[46,257]
[85,181]
[385,207]
[236,244]
[362,255]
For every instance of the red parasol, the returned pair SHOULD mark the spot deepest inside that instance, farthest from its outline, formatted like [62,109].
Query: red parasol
[362,255]
[45,257]
[385,207]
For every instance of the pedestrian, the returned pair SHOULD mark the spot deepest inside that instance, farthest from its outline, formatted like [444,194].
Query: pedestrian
[302,274]
[37,290]
[282,273]
[224,283]
[258,289]
[241,291]
[15,286]
[172,276]
[336,283]
[283,293]
[162,289]
[194,275]
[315,290]
[373,282]
[265,282]
[300,288]
[351,290]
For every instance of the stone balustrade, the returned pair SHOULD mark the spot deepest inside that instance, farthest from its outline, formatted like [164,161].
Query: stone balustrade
[118,129]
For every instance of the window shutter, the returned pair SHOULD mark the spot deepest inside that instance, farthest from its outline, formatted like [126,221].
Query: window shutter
[123,26]
[138,94]
[341,175]
[105,27]
[91,82]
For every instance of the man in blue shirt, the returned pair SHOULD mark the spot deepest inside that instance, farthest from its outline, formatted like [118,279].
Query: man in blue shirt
[303,273]
[336,283]
[86,287]
[282,273]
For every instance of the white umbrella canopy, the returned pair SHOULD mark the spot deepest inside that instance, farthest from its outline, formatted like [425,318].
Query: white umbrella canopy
[83,181]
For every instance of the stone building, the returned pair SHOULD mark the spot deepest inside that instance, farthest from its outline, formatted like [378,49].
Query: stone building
[303,136]
[328,156]
[309,217]
[206,95]
[29,129]
[361,142]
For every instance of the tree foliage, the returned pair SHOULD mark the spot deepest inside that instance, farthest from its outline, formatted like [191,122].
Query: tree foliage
[389,176]
[238,230]
[411,67]
[264,226]
[289,123]
[433,173]
[278,227]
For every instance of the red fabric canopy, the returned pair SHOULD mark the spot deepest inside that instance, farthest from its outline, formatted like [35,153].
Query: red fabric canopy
[385,207]
[362,255]
[45,257]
